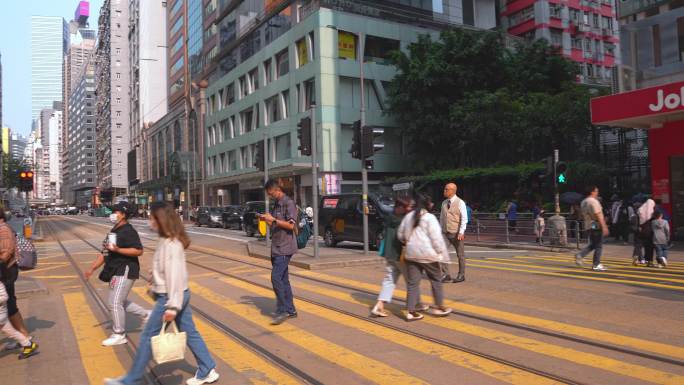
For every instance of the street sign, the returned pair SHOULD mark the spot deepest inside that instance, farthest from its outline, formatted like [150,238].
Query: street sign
[401,186]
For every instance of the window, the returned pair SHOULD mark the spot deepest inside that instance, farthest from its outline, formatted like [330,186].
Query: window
[118,151]
[268,76]
[253,80]
[210,7]
[118,75]
[230,94]
[176,7]
[118,51]
[242,84]
[178,65]
[118,126]
[177,26]
[118,100]
[272,113]
[210,31]
[247,121]
[282,63]
[308,97]
[346,45]
[118,114]
[303,55]
[556,37]
[232,160]
[657,57]
[378,49]
[555,10]
[576,43]
[177,45]
[595,20]
[245,158]
[283,147]
[521,16]
[223,166]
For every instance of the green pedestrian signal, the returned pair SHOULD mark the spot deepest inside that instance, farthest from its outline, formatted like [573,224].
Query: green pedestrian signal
[561,169]
[561,178]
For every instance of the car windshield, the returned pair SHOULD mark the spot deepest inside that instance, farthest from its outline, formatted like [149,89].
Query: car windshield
[215,210]
[386,203]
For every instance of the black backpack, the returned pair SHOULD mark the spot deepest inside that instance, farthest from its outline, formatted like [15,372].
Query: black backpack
[623,214]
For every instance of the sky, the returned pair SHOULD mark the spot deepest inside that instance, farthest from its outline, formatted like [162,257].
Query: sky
[15,47]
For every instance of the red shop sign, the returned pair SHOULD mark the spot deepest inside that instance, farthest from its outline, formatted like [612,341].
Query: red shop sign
[644,102]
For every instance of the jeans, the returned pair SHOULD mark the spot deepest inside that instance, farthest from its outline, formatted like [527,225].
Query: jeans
[661,252]
[153,327]
[414,273]
[280,279]
[119,287]
[394,270]
[596,244]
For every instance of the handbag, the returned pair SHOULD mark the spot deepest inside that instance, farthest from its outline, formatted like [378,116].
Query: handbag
[169,347]
[27,257]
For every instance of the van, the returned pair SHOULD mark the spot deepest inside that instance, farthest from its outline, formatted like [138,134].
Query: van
[340,218]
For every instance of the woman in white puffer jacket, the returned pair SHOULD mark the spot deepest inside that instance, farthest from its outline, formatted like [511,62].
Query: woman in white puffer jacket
[425,250]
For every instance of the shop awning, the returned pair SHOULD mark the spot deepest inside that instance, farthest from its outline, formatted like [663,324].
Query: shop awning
[643,108]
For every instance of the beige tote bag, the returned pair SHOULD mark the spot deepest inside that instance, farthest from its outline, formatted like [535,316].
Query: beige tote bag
[169,347]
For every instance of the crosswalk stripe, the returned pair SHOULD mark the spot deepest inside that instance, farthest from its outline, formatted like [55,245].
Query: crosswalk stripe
[560,327]
[576,270]
[98,361]
[626,261]
[628,269]
[574,276]
[368,368]
[242,360]
[568,354]
[463,359]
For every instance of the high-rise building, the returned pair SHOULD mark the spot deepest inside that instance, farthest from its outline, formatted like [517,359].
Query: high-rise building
[46,160]
[148,68]
[49,44]
[585,32]
[18,145]
[112,107]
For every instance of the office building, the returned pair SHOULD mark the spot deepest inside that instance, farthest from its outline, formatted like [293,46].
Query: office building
[112,104]
[18,145]
[49,44]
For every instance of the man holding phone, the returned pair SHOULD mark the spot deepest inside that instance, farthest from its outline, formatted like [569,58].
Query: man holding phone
[283,245]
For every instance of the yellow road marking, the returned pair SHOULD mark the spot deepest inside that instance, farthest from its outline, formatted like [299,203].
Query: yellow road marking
[98,361]
[470,361]
[572,355]
[372,370]
[627,262]
[576,270]
[573,276]
[627,269]
[55,276]
[244,361]
[564,328]
[42,269]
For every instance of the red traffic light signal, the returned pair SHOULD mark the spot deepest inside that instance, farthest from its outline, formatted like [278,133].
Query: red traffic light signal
[29,174]
[22,175]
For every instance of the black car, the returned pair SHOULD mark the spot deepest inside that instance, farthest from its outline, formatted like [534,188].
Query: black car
[250,221]
[340,218]
[232,217]
[209,216]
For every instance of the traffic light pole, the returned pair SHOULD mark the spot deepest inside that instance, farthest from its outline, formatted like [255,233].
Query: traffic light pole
[555,181]
[364,172]
[266,202]
[314,177]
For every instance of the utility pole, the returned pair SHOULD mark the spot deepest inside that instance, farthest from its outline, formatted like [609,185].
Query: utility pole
[266,203]
[187,193]
[364,172]
[314,177]
[555,181]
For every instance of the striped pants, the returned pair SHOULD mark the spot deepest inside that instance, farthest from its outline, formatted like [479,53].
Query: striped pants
[119,287]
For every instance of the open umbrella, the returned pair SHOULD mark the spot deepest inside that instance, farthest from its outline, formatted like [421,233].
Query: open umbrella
[640,197]
[571,197]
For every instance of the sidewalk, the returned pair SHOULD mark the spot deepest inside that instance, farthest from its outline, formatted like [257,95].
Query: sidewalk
[329,257]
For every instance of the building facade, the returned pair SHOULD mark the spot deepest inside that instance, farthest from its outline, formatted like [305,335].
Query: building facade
[49,44]
[585,32]
[112,105]
[280,61]
[18,145]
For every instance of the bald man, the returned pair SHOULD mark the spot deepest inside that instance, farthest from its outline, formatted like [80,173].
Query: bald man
[454,218]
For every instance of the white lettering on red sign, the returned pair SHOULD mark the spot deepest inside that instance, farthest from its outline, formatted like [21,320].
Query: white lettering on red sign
[670,102]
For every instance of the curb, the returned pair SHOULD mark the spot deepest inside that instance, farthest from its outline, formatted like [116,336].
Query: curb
[521,247]
[299,260]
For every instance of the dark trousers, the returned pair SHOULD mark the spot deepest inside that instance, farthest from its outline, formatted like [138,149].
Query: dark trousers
[280,279]
[414,273]
[649,248]
[460,252]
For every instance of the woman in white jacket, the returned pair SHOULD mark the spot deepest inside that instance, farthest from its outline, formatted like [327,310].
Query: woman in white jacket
[170,288]
[425,250]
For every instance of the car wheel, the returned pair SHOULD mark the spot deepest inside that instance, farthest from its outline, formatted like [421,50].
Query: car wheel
[249,233]
[329,238]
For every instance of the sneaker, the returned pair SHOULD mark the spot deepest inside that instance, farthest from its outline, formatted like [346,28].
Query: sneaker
[663,261]
[212,377]
[279,319]
[422,307]
[578,260]
[292,315]
[440,312]
[145,321]
[660,266]
[459,278]
[115,339]
[28,351]
[599,267]
[415,316]
[651,264]
[375,311]
[13,345]
[113,381]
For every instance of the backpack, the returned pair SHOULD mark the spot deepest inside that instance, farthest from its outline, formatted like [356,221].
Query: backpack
[302,229]
[27,256]
[623,214]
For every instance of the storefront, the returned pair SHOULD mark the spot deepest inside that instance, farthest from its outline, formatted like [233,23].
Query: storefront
[659,109]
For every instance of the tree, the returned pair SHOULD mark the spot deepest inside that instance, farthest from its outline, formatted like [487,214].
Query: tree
[11,169]
[466,100]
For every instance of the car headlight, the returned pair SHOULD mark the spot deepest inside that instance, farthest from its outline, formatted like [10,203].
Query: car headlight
[214,218]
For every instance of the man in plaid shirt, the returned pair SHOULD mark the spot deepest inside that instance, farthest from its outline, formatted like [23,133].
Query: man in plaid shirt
[10,272]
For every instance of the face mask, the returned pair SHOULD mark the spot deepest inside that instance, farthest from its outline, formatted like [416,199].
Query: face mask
[113,218]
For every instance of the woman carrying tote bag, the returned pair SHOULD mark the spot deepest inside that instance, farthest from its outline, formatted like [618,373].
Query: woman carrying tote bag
[170,288]
[425,250]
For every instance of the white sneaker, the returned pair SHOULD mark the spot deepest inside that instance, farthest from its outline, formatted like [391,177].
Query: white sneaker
[578,260]
[435,311]
[113,381]
[115,339]
[599,267]
[212,377]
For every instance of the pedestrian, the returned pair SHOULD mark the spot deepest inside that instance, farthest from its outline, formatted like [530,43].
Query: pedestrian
[512,216]
[394,267]
[661,237]
[10,273]
[635,228]
[121,269]
[172,300]
[645,213]
[595,226]
[283,246]
[425,252]
[453,220]
[615,205]
[621,218]
[28,347]
[539,226]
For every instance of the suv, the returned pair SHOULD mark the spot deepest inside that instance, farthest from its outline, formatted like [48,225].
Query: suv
[340,218]
[232,217]
[209,216]
[250,221]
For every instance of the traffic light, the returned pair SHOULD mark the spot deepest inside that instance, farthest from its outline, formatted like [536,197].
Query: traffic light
[355,150]
[370,146]
[26,180]
[304,135]
[561,169]
[259,159]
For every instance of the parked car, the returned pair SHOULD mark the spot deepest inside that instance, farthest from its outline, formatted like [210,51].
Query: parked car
[232,217]
[250,221]
[210,216]
[72,211]
[340,218]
